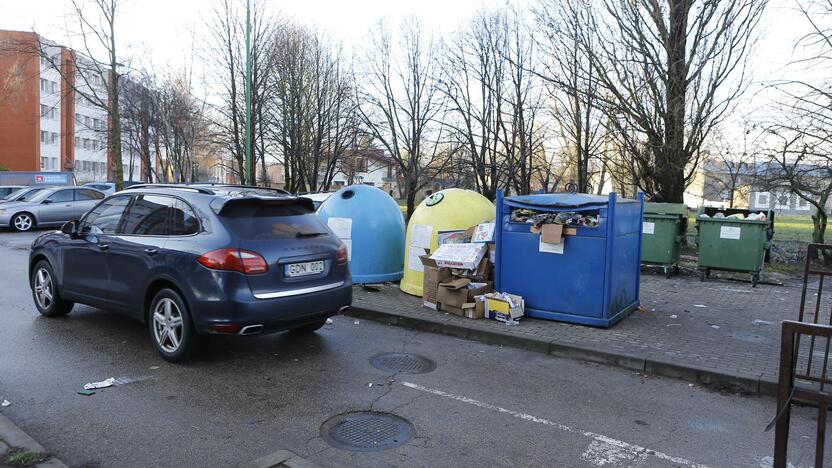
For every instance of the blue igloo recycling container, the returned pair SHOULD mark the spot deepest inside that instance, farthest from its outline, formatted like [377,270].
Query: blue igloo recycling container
[590,277]
[371,225]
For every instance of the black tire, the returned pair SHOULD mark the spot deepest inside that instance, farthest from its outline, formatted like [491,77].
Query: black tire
[45,292]
[174,319]
[23,222]
[309,328]
[676,270]
[667,272]
[701,276]
[754,279]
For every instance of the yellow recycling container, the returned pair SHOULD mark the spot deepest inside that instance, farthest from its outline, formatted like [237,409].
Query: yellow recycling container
[447,210]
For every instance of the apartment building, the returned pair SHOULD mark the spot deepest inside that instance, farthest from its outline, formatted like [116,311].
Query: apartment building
[46,123]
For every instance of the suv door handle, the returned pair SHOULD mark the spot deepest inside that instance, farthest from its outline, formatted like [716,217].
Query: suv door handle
[103,246]
[151,251]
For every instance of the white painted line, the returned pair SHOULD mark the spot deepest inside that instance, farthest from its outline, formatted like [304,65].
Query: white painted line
[605,450]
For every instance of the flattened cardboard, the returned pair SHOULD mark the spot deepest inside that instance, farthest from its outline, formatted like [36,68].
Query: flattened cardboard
[465,256]
[552,234]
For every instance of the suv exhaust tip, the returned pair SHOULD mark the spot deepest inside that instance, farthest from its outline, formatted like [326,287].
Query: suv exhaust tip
[251,330]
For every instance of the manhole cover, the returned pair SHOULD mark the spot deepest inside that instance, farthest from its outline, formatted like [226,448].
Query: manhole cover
[366,431]
[403,363]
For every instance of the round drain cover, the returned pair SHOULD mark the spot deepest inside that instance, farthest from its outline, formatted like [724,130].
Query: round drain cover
[366,431]
[403,363]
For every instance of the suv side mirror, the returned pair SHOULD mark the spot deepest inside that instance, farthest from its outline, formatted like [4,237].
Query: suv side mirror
[70,228]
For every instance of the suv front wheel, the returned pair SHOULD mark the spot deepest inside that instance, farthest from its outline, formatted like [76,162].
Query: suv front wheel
[45,292]
[170,326]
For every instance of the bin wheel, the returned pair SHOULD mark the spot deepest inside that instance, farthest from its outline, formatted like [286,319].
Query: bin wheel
[707,272]
[701,275]
[754,279]
[675,270]
[667,272]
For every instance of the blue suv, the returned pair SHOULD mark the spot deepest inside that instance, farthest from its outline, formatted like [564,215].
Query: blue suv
[189,260]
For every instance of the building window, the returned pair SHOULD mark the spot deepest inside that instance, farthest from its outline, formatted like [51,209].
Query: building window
[44,136]
[78,117]
[43,84]
[77,142]
[783,201]
[54,138]
[86,143]
[762,200]
[43,163]
[802,204]
[360,165]
[87,121]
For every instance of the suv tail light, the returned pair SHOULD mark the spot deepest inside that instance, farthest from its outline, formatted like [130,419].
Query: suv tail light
[342,255]
[244,261]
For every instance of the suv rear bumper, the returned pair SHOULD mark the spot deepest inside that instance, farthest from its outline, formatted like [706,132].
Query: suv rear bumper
[274,314]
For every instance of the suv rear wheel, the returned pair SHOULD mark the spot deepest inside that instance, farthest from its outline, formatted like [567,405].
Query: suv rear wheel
[170,326]
[45,292]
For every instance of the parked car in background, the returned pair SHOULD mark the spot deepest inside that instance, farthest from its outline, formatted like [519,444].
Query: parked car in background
[48,207]
[189,260]
[317,198]
[22,194]
[108,188]
[6,190]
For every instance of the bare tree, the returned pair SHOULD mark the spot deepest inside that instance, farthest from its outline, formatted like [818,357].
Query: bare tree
[800,136]
[669,71]
[729,170]
[573,84]
[400,104]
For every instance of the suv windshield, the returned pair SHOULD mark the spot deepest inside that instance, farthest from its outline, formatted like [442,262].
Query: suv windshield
[272,221]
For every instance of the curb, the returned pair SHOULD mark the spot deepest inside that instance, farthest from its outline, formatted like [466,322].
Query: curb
[281,458]
[14,436]
[649,364]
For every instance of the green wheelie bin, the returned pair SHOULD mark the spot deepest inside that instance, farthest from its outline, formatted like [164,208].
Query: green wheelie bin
[663,228]
[733,243]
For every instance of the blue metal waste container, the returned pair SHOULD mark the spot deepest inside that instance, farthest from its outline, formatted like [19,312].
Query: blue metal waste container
[592,277]
[371,224]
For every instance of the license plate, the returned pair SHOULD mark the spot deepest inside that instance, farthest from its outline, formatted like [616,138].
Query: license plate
[305,268]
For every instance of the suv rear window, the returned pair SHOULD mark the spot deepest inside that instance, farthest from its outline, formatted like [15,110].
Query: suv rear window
[257,220]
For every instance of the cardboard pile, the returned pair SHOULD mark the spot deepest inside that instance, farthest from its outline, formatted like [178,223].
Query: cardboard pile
[503,307]
[459,270]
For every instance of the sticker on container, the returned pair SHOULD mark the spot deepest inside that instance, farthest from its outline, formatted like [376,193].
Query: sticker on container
[341,227]
[450,237]
[413,261]
[420,235]
[348,244]
[648,228]
[545,247]
[729,232]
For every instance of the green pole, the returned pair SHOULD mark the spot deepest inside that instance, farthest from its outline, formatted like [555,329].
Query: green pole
[249,162]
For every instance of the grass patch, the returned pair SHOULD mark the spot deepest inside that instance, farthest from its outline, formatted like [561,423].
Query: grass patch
[21,457]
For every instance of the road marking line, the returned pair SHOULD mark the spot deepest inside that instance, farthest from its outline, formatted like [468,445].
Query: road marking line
[626,450]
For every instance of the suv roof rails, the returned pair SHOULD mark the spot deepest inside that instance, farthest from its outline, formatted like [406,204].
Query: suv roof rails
[172,186]
[253,187]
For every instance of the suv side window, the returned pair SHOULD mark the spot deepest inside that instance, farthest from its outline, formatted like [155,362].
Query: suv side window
[61,196]
[183,220]
[106,217]
[147,216]
[86,195]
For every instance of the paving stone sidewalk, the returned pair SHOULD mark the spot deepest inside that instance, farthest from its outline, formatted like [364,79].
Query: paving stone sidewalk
[718,332]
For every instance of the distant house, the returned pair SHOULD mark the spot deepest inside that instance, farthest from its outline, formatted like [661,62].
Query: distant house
[368,167]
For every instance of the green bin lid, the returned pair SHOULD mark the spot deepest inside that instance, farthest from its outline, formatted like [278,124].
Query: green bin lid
[678,209]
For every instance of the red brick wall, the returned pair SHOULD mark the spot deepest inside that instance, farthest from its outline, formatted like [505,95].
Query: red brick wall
[19,101]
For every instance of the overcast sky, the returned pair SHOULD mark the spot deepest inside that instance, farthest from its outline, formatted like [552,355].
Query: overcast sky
[163,30]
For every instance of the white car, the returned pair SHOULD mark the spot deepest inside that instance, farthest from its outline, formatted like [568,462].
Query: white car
[317,198]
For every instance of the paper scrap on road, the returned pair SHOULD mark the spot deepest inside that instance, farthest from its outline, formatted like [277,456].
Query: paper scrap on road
[716,327]
[624,450]
[355,323]
[701,306]
[759,322]
[103,384]
[674,316]
[5,403]
[329,321]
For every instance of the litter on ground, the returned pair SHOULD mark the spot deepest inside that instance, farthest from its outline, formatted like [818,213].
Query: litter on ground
[5,403]
[86,392]
[103,384]
[701,306]
[355,323]
[329,321]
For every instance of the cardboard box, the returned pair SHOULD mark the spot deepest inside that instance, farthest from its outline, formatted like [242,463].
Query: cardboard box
[484,232]
[474,310]
[552,233]
[454,294]
[464,256]
[433,275]
[481,274]
[504,306]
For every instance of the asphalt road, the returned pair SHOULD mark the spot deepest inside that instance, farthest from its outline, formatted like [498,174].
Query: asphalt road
[243,398]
